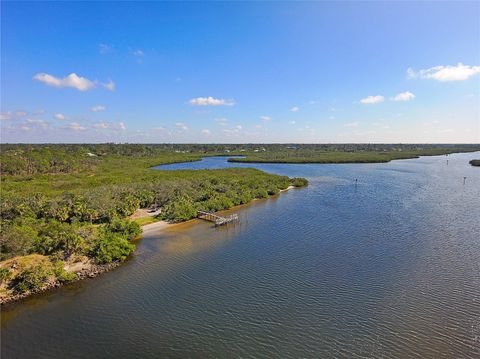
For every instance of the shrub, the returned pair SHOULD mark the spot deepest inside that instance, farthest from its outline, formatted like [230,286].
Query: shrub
[31,278]
[110,247]
[56,236]
[61,274]
[16,240]
[5,274]
[299,182]
[127,229]
[178,210]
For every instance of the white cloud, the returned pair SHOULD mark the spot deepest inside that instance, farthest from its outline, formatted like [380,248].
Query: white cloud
[238,127]
[9,115]
[122,126]
[265,118]
[446,130]
[370,100]
[101,125]
[181,126]
[221,121]
[403,96]
[72,80]
[25,128]
[97,108]
[159,128]
[6,116]
[294,109]
[258,126]
[459,72]
[137,53]
[352,124]
[293,122]
[110,85]
[76,126]
[211,101]
[206,132]
[331,118]
[35,121]
[59,116]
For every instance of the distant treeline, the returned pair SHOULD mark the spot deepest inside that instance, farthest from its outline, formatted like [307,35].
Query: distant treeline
[23,159]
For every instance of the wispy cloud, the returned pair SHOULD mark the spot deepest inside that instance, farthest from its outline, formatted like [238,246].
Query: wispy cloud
[265,118]
[36,121]
[9,115]
[181,126]
[222,121]
[104,49]
[137,53]
[403,96]
[459,72]
[110,85]
[97,108]
[6,116]
[352,124]
[294,109]
[75,126]
[101,125]
[59,116]
[206,132]
[446,130]
[72,80]
[371,100]
[211,101]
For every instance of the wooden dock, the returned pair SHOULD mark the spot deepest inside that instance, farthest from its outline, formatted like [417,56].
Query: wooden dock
[218,220]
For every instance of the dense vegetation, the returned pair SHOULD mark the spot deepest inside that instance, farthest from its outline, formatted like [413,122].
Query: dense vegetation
[475,162]
[63,204]
[376,153]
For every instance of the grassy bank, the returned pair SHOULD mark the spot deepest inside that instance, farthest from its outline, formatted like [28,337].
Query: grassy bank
[475,162]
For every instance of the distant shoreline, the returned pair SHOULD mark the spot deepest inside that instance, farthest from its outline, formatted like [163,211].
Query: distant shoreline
[344,157]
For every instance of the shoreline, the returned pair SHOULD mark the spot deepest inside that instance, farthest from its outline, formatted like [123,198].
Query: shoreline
[95,270]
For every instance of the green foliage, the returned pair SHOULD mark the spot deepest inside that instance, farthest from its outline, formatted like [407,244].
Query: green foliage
[475,162]
[17,240]
[127,229]
[58,200]
[179,209]
[5,274]
[111,247]
[299,182]
[60,273]
[31,278]
[56,236]
[349,153]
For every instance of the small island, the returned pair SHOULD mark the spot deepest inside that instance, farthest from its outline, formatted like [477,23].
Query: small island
[475,163]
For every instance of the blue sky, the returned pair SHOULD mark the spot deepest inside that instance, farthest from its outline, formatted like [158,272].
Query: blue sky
[240,72]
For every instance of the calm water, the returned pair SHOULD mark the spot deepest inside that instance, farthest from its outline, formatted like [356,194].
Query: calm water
[389,268]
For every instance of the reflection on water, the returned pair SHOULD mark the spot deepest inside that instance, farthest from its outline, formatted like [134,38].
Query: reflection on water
[387,268]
